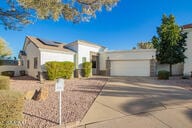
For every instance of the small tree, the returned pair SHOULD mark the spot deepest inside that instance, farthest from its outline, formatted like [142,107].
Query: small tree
[145,45]
[4,50]
[155,42]
[170,43]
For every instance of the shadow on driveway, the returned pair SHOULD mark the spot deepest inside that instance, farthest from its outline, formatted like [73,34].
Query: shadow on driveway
[144,94]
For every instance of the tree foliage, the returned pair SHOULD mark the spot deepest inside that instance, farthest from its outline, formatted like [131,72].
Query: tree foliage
[4,49]
[170,42]
[21,12]
[145,45]
[13,16]
[155,42]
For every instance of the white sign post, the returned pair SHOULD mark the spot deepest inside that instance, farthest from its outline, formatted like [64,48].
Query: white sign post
[59,87]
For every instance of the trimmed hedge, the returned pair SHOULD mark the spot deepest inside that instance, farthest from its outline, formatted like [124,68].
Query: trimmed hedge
[163,75]
[87,66]
[8,73]
[11,109]
[59,69]
[4,83]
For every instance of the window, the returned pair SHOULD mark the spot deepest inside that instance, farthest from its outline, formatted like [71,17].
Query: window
[28,64]
[94,61]
[35,63]
[83,59]
[22,63]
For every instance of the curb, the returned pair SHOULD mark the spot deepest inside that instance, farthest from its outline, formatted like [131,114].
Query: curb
[68,125]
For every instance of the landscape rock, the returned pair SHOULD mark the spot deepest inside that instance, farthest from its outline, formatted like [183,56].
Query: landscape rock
[42,94]
[29,95]
[77,98]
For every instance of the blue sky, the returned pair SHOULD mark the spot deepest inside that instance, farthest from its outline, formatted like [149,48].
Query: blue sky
[130,22]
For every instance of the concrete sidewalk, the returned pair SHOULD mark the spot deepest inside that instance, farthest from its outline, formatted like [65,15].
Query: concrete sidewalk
[141,102]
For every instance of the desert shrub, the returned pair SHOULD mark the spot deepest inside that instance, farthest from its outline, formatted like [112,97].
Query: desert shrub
[11,109]
[4,83]
[163,75]
[8,73]
[87,66]
[59,69]
[22,73]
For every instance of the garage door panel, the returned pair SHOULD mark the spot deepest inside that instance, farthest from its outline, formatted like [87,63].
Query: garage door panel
[130,68]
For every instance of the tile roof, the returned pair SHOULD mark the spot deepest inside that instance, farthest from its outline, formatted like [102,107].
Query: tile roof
[187,26]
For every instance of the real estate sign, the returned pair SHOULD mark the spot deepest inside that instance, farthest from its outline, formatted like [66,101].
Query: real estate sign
[59,87]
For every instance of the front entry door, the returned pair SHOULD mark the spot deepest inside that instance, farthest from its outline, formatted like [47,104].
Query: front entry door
[94,65]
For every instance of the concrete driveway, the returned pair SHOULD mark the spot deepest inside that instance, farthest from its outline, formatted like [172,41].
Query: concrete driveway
[141,102]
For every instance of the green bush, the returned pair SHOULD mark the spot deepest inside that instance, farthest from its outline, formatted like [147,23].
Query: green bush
[59,69]
[87,66]
[11,109]
[4,83]
[163,75]
[8,73]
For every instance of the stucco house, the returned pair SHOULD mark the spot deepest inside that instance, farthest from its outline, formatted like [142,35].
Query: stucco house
[36,52]
[137,62]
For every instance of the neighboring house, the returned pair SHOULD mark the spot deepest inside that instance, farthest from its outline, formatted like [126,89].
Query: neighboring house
[188,61]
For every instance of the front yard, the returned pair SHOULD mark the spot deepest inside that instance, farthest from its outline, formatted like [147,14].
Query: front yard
[77,97]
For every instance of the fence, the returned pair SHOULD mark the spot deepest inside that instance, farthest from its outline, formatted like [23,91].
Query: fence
[177,69]
[8,62]
[14,68]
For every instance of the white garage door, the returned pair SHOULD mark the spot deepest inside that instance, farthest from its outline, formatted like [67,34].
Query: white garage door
[130,68]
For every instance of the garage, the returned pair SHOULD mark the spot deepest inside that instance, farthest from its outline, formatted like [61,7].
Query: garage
[130,68]
[136,62]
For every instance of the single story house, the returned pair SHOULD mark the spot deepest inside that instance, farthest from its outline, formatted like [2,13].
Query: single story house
[137,62]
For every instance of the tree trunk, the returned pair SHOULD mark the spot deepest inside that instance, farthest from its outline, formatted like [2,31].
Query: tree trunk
[170,69]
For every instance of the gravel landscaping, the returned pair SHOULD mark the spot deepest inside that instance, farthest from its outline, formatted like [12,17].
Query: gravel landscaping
[78,96]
